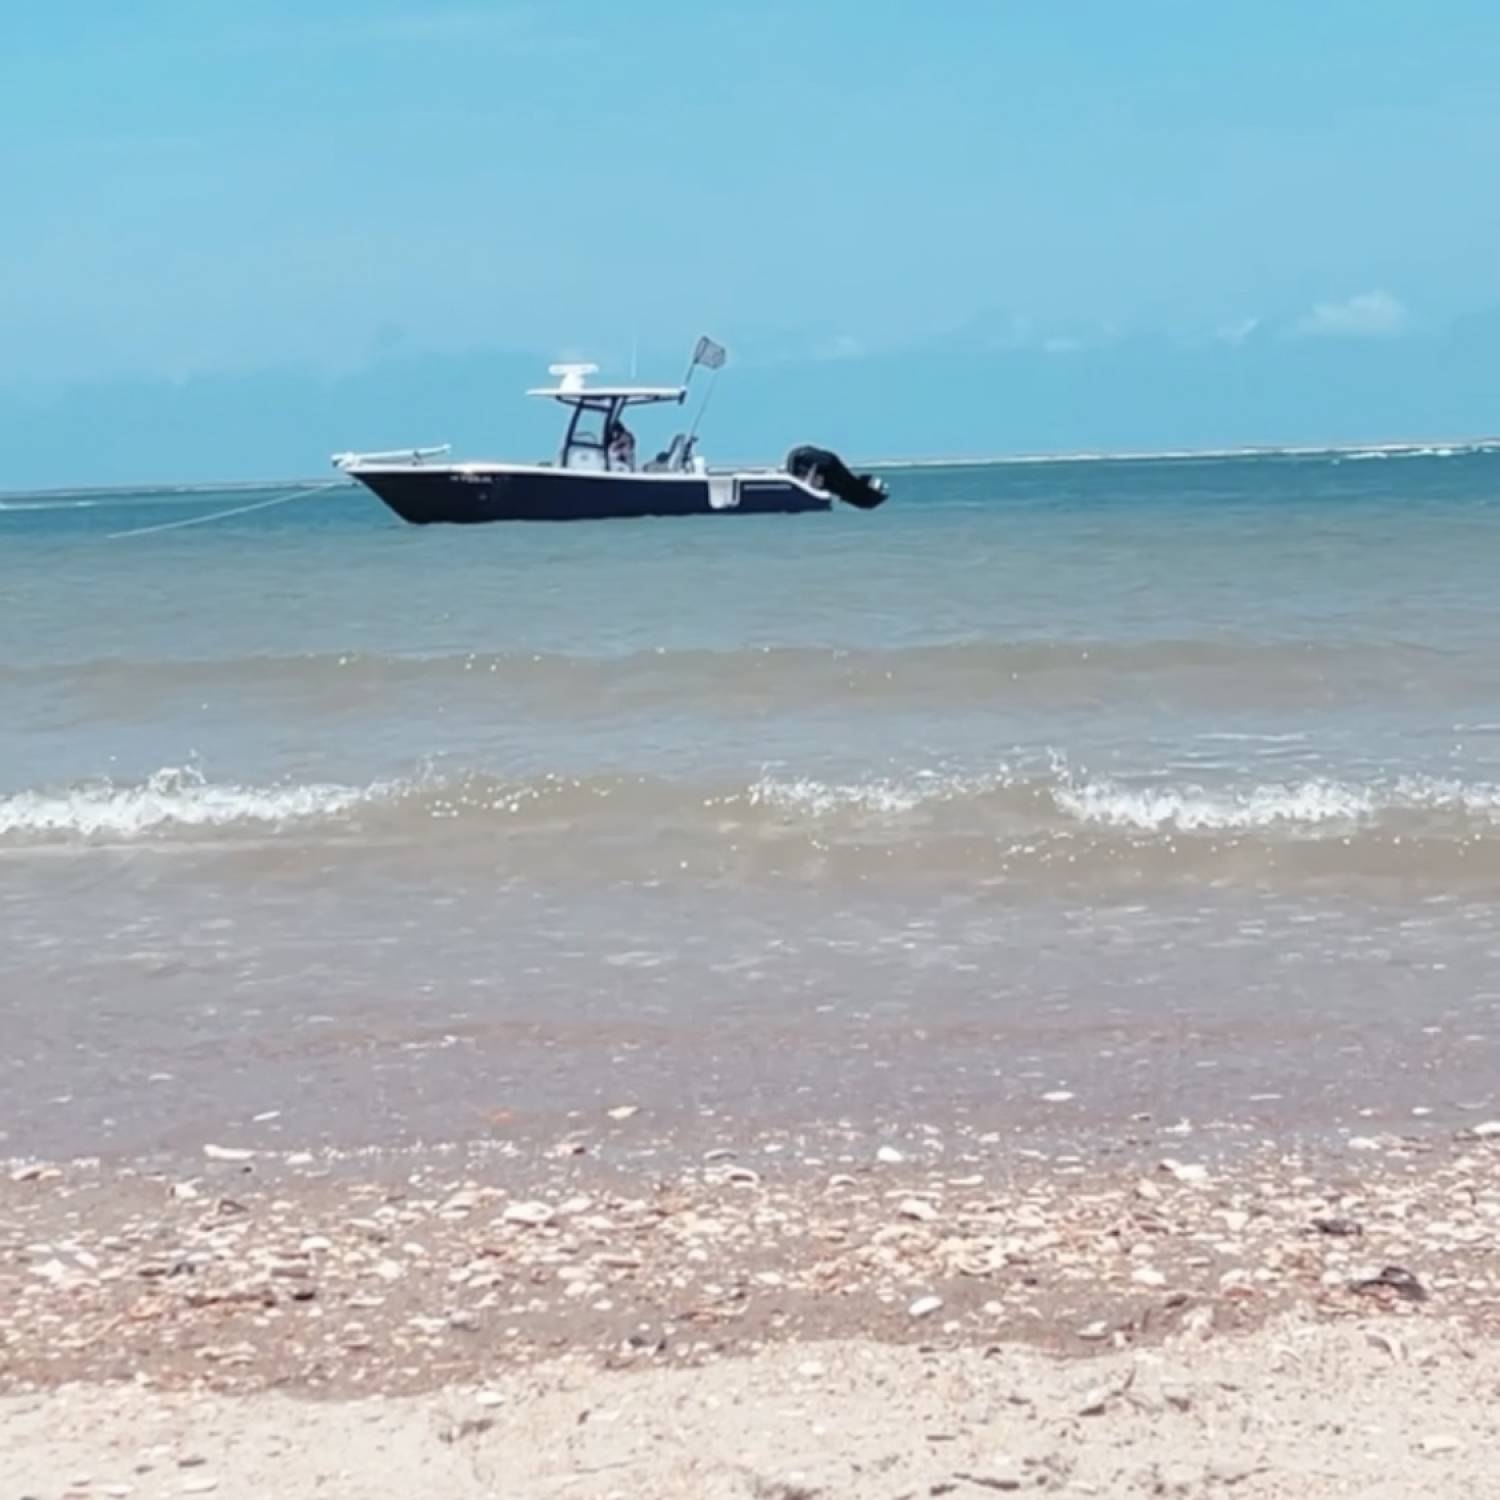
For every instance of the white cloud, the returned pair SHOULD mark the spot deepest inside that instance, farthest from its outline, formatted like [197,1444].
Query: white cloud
[1366,316]
[1236,333]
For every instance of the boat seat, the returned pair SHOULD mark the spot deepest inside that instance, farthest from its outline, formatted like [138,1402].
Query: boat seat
[669,460]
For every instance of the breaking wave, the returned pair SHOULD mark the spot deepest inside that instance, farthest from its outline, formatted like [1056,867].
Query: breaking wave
[1006,824]
[174,799]
[1308,805]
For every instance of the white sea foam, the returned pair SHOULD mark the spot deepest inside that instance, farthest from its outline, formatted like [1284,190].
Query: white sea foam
[1193,809]
[819,799]
[30,505]
[1314,805]
[173,798]
[1414,450]
[1309,804]
[1004,802]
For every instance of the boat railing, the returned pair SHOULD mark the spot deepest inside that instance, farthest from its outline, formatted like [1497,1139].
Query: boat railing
[413,456]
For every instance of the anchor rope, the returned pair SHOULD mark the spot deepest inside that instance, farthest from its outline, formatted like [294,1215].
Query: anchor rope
[223,515]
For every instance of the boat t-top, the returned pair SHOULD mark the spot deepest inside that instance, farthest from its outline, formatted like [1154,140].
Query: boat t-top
[598,472]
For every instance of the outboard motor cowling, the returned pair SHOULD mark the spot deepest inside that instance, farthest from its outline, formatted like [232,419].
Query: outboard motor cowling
[825,470]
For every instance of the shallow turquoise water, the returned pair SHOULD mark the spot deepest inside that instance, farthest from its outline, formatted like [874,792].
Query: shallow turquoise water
[1119,742]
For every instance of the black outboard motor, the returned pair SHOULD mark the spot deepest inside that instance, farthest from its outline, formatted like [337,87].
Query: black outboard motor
[827,471]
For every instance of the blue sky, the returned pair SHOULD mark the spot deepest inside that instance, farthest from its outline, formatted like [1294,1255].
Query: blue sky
[241,236]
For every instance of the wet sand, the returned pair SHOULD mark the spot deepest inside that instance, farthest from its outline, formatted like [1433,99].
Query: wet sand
[1275,1323]
[325,1018]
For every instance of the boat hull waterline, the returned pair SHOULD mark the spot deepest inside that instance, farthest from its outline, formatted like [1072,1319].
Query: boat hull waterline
[464,496]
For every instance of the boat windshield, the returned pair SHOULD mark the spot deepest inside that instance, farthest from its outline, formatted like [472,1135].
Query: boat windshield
[587,445]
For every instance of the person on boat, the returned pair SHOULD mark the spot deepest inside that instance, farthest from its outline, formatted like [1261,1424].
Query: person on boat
[621,446]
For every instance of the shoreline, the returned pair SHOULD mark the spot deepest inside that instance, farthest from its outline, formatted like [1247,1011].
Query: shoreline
[1279,1323]
[1411,448]
[443,1268]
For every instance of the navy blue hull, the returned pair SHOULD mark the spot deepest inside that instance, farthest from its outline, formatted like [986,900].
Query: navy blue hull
[427,496]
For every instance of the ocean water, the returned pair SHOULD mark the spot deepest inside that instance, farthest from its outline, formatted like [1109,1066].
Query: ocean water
[1169,786]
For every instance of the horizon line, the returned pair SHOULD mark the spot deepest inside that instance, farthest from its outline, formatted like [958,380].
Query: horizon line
[1413,448]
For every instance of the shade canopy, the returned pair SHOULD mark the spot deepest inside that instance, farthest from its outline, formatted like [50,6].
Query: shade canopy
[572,385]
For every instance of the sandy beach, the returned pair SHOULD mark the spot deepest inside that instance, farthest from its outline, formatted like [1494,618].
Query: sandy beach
[609,942]
[893,1323]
